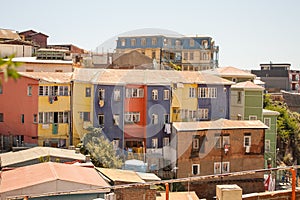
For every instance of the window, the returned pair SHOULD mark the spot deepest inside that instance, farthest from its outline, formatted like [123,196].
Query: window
[191,56]
[85,116]
[267,122]
[116,143]
[143,41]
[88,92]
[267,146]
[29,90]
[166,141]
[35,120]
[166,118]
[192,42]
[101,94]
[154,142]
[58,70]
[218,140]
[134,92]
[154,94]
[177,43]
[116,119]
[63,91]
[132,42]
[166,94]
[154,41]
[221,167]
[252,117]
[22,118]
[196,169]
[1,89]
[132,117]
[239,97]
[207,92]
[117,94]
[101,120]
[247,140]
[154,119]
[123,42]
[192,92]
[1,117]
[202,113]
[196,144]
[153,54]
[185,56]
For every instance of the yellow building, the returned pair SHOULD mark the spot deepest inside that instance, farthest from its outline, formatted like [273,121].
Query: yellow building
[53,108]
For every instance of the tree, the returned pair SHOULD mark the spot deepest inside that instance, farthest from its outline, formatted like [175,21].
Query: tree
[8,67]
[101,149]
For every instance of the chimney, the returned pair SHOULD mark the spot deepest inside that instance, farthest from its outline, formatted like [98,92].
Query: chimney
[87,158]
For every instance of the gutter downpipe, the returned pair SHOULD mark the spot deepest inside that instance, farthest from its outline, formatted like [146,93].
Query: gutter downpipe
[293,183]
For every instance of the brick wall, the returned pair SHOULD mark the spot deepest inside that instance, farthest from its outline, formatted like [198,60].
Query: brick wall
[134,193]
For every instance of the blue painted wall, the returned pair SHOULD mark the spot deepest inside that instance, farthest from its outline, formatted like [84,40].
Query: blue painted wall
[218,107]
[159,107]
[110,108]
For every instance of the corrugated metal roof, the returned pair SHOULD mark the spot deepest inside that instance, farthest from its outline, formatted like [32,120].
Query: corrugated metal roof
[148,176]
[149,77]
[233,71]
[121,175]
[270,112]
[57,77]
[35,153]
[247,85]
[191,195]
[218,125]
[9,34]
[30,177]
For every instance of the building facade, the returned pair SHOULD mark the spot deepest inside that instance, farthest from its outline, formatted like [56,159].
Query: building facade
[191,53]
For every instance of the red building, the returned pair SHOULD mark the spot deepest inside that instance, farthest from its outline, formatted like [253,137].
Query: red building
[36,38]
[18,112]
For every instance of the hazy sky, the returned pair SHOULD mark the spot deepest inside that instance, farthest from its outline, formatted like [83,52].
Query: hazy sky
[248,32]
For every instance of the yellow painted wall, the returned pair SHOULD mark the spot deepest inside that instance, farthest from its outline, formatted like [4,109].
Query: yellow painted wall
[181,100]
[61,105]
[81,103]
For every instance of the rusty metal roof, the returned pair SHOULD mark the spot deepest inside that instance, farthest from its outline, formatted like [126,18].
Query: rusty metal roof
[233,71]
[11,158]
[248,85]
[57,77]
[43,178]
[6,34]
[121,175]
[219,125]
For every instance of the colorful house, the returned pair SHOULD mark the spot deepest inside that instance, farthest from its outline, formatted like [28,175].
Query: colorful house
[219,147]
[39,114]
[270,120]
[246,101]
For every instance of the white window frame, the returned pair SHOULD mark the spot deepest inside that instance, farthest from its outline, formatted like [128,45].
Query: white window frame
[116,143]
[154,143]
[252,117]
[166,141]
[267,146]
[155,94]
[88,92]
[220,167]
[202,113]
[132,117]
[166,94]
[117,94]
[101,94]
[267,123]
[166,118]
[217,167]
[192,92]
[116,118]
[85,116]
[134,92]
[123,42]
[99,116]
[239,97]
[154,119]
[207,92]
[198,169]
[29,90]
[245,138]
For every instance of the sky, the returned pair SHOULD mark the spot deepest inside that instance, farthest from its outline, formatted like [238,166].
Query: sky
[248,32]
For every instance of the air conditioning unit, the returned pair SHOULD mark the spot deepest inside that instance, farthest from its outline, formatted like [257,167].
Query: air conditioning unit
[247,149]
